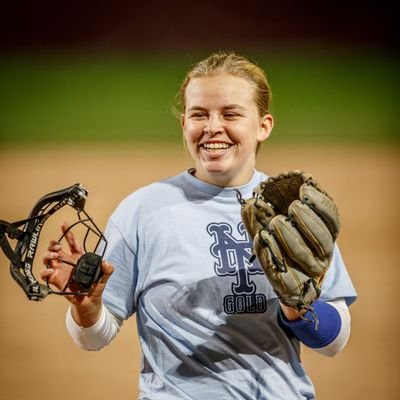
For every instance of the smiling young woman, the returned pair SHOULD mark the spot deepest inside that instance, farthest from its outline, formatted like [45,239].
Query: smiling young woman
[178,257]
[223,128]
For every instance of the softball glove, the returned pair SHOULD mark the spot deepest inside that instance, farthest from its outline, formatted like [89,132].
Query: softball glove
[293,223]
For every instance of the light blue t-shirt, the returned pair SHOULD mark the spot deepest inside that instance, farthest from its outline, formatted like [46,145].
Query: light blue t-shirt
[207,318]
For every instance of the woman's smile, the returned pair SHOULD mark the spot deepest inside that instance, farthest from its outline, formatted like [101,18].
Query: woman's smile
[222,128]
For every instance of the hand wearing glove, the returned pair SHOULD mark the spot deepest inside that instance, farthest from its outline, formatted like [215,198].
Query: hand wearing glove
[294,224]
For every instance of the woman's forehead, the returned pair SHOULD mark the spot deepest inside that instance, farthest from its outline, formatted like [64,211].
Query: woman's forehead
[220,87]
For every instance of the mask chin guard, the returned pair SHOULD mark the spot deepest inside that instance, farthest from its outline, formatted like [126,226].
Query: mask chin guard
[87,269]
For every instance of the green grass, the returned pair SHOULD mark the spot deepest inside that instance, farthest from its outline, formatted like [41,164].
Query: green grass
[71,99]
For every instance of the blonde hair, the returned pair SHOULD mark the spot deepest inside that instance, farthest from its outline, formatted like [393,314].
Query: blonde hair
[231,63]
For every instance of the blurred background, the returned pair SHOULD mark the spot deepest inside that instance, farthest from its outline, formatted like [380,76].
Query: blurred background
[98,71]
[86,95]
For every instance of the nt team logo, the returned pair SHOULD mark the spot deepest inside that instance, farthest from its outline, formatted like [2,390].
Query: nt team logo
[232,259]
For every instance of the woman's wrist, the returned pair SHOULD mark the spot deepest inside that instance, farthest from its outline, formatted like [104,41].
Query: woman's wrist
[291,314]
[318,327]
[86,316]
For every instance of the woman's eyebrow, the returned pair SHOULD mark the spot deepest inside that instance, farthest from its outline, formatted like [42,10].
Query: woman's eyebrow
[227,107]
[197,108]
[233,106]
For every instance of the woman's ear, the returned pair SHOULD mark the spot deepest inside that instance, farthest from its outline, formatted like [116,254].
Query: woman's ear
[182,120]
[267,123]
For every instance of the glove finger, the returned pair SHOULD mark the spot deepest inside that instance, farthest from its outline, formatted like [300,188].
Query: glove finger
[295,247]
[313,228]
[256,215]
[323,205]
[301,290]
[292,286]
[268,252]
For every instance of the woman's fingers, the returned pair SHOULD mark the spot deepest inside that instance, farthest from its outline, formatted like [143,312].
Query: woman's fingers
[50,256]
[107,268]
[54,245]
[73,244]
[54,251]
[98,288]
[55,248]
[46,273]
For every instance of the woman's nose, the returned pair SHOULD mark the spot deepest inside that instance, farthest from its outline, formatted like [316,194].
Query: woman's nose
[213,126]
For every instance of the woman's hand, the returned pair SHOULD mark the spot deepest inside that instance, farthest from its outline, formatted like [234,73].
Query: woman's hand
[85,308]
[291,314]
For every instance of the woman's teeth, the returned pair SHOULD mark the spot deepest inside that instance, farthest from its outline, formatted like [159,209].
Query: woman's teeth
[215,146]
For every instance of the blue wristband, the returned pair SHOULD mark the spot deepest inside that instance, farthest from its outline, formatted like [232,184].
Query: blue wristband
[305,330]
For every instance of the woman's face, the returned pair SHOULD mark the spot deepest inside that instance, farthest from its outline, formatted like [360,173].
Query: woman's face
[222,128]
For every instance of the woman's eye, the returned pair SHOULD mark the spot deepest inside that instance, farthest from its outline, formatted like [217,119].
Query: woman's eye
[198,115]
[230,115]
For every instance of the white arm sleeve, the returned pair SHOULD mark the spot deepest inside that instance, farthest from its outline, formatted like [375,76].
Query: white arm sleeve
[97,336]
[341,339]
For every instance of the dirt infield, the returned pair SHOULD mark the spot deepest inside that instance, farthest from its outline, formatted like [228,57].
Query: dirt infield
[38,359]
